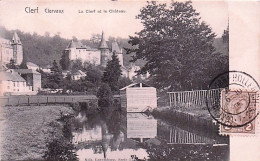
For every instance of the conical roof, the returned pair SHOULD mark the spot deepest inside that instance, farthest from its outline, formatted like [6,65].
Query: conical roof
[103,43]
[16,39]
[115,47]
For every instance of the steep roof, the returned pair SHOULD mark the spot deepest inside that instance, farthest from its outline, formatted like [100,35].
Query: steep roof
[16,39]
[32,64]
[79,72]
[15,77]
[26,71]
[103,43]
[136,85]
[75,44]
[115,47]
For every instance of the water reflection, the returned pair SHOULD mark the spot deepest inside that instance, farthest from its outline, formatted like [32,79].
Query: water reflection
[102,136]
[135,135]
[141,127]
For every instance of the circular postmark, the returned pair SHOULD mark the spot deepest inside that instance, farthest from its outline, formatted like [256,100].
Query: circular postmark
[232,99]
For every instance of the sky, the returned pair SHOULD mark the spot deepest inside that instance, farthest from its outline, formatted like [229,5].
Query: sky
[83,25]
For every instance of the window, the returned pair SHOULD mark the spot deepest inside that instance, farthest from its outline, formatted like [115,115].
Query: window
[8,87]
[14,84]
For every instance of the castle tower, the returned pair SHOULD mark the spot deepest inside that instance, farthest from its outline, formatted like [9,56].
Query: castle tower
[104,51]
[17,49]
[118,51]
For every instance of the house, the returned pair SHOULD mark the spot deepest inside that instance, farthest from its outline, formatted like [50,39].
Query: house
[47,69]
[12,83]
[32,66]
[138,97]
[125,72]
[130,72]
[32,78]
[11,49]
[78,75]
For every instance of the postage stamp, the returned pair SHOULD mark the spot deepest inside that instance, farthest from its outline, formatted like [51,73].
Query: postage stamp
[236,106]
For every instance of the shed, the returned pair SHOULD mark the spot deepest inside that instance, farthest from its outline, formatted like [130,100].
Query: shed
[138,97]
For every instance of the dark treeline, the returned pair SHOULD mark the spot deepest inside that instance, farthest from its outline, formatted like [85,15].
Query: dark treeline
[42,50]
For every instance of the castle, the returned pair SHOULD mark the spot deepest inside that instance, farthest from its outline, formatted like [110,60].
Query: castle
[11,49]
[98,56]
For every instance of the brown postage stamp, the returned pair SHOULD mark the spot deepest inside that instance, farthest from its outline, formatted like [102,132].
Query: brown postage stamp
[236,107]
[238,111]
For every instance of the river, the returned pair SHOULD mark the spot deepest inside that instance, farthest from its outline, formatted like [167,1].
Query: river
[138,136]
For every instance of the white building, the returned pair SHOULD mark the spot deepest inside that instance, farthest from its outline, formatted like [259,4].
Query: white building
[97,56]
[32,66]
[11,49]
[138,97]
[78,75]
[11,83]
[76,50]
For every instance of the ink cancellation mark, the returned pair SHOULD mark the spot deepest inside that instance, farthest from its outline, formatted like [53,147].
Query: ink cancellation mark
[235,109]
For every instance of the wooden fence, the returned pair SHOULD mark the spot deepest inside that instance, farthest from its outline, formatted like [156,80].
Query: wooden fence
[45,100]
[196,97]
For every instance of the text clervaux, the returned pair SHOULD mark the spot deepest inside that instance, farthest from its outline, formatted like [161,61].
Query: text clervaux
[46,10]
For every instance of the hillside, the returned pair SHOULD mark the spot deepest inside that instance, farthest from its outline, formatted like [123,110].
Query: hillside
[42,50]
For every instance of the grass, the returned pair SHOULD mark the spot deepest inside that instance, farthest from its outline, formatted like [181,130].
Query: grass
[25,130]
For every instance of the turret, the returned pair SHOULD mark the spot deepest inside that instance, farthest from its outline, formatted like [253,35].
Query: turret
[17,49]
[118,51]
[103,47]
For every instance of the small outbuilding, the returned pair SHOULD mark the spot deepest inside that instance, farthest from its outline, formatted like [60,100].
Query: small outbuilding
[138,97]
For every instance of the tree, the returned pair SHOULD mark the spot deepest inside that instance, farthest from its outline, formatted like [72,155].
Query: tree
[77,65]
[175,44]
[105,97]
[123,81]
[94,75]
[112,73]
[55,79]
[65,61]
[11,64]
[23,65]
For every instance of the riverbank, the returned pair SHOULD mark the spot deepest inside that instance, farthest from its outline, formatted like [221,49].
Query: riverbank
[27,129]
[200,112]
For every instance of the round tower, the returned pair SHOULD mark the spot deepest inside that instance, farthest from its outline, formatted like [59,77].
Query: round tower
[119,52]
[17,49]
[103,47]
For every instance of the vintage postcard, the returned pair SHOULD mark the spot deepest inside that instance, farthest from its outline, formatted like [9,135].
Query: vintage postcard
[121,80]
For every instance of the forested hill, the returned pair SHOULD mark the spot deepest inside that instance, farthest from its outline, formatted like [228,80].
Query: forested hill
[42,50]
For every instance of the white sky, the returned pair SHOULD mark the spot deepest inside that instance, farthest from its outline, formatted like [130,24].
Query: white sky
[71,23]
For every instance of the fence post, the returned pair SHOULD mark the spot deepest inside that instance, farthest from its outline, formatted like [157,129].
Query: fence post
[175,98]
[170,99]
[18,102]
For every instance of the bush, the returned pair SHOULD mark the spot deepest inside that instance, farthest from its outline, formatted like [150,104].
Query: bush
[60,150]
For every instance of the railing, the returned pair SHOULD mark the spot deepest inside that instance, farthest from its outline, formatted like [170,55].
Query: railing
[196,97]
[45,100]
